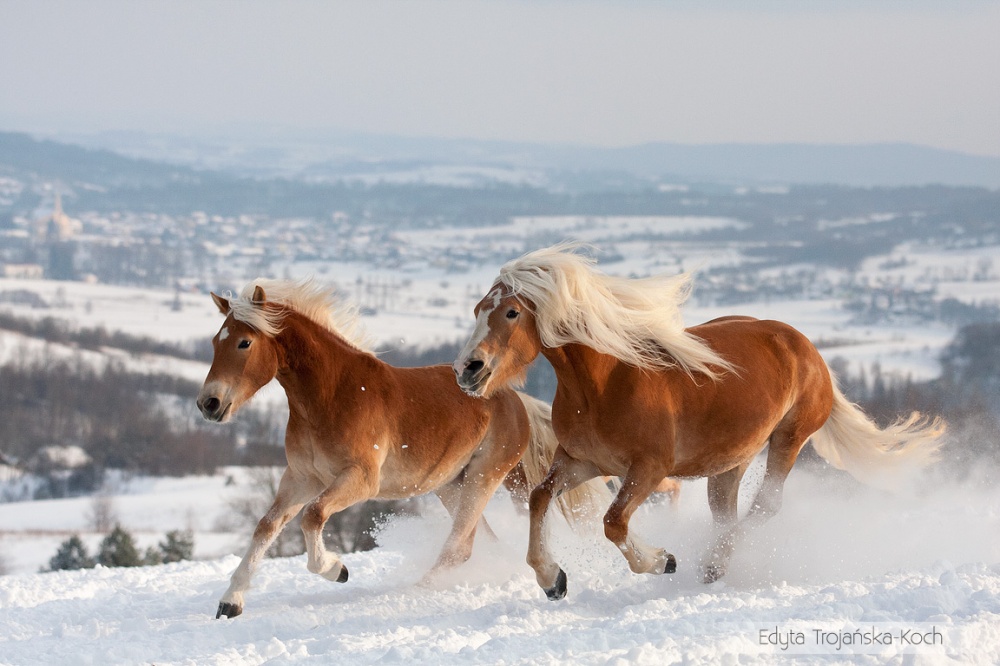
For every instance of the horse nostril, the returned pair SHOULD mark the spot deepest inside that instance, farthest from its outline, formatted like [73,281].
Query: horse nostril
[211,405]
[472,367]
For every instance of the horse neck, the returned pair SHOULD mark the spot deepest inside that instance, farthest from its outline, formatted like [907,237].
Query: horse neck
[580,370]
[312,360]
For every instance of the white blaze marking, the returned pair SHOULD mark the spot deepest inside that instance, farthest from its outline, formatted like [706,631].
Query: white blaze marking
[224,333]
[482,326]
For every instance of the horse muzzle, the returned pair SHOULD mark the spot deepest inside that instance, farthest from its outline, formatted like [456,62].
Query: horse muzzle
[473,376]
[214,409]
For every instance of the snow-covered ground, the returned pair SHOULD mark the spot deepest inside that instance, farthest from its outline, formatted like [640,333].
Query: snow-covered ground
[838,558]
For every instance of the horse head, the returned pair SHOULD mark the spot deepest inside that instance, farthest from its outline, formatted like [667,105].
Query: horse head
[245,359]
[503,343]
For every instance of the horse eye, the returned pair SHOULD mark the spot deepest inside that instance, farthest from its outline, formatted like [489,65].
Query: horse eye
[512,314]
[244,344]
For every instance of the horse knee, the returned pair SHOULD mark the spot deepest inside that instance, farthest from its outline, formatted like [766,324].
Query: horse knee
[615,528]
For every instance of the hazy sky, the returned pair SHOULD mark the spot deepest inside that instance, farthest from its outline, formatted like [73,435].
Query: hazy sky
[604,73]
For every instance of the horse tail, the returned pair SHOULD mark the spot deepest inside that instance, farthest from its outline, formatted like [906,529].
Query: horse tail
[851,441]
[577,506]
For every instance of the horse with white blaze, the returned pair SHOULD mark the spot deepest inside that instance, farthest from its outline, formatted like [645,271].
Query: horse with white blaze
[642,397]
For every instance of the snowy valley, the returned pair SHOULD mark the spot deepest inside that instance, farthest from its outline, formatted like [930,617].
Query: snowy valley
[881,280]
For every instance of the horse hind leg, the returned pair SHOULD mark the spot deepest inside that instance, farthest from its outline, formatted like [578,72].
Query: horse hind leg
[783,450]
[723,492]
[450,495]
[466,499]
[637,485]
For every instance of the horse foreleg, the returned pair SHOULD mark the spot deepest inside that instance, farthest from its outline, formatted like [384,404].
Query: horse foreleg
[723,493]
[636,487]
[354,484]
[565,474]
[291,496]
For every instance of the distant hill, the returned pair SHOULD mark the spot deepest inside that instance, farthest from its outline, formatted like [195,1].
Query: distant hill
[871,165]
[286,153]
[885,165]
[299,176]
[72,163]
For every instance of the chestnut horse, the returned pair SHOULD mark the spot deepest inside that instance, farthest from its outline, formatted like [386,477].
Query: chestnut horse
[359,428]
[641,397]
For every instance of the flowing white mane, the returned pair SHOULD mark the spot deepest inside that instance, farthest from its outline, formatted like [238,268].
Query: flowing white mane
[313,300]
[637,321]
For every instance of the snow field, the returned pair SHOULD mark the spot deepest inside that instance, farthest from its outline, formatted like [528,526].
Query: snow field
[838,556]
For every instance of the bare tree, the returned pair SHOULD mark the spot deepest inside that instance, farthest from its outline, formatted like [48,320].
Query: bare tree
[102,515]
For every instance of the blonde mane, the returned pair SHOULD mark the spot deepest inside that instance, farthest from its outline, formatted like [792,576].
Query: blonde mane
[312,300]
[638,321]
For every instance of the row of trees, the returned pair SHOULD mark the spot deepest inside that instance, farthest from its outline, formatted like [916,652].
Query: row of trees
[118,549]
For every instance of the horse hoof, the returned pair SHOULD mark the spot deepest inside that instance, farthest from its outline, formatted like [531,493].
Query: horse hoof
[557,591]
[712,573]
[228,609]
[342,578]
[671,565]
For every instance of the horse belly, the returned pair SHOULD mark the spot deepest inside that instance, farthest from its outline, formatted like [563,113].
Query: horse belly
[709,451]
[591,447]
[407,473]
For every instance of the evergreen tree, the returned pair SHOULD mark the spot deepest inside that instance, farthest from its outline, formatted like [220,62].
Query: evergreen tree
[178,546]
[72,555]
[118,550]
[152,557]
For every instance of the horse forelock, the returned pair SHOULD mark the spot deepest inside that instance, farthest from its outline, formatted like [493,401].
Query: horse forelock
[634,320]
[316,302]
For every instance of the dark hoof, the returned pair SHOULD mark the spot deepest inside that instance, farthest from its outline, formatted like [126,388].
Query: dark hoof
[557,591]
[227,609]
[342,578]
[671,566]
[713,573]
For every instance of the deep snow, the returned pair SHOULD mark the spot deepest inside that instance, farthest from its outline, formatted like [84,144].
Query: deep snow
[838,557]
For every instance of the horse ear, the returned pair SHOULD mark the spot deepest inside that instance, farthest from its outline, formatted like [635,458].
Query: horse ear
[258,296]
[221,303]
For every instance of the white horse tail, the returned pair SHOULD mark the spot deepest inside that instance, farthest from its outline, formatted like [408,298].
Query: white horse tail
[578,506]
[851,441]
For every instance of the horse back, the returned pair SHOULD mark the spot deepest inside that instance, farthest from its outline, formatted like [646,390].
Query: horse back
[775,363]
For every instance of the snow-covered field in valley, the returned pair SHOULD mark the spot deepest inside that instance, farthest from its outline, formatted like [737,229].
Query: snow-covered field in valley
[839,558]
